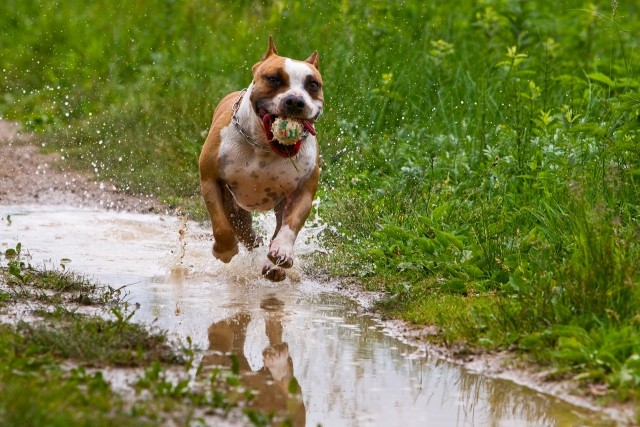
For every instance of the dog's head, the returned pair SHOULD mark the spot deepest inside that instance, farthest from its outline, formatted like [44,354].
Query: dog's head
[286,87]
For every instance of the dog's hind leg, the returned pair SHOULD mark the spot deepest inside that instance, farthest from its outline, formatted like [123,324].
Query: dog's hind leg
[241,222]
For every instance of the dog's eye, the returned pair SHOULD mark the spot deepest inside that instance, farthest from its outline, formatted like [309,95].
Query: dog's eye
[273,80]
[313,86]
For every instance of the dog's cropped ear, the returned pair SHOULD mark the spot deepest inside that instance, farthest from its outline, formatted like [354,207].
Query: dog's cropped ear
[313,60]
[272,50]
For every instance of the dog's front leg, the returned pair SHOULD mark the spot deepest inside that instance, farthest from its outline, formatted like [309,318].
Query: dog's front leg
[294,213]
[225,245]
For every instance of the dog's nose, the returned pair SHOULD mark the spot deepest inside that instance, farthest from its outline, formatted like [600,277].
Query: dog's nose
[294,103]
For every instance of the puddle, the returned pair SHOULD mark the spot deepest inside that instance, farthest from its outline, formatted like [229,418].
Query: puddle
[348,371]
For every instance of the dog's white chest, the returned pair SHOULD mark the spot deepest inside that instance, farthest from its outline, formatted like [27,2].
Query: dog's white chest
[258,179]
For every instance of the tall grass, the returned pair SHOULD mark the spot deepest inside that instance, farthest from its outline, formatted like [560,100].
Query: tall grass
[489,149]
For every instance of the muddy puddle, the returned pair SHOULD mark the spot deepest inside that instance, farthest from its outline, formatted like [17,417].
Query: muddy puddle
[349,371]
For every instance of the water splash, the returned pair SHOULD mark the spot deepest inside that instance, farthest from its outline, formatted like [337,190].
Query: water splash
[192,256]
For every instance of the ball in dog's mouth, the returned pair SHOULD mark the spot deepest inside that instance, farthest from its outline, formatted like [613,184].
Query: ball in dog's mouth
[287,130]
[285,134]
[284,128]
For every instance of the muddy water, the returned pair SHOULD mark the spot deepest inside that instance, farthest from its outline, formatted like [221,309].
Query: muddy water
[350,373]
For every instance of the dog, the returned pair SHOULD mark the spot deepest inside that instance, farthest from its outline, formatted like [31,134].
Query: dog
[243,169]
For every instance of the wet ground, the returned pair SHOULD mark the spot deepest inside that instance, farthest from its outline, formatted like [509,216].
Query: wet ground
[349,370]
[29,176]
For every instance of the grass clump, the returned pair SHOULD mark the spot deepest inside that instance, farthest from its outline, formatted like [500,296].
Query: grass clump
[489,149]
[49,286]
[45,372]
[36,390]
[96,342]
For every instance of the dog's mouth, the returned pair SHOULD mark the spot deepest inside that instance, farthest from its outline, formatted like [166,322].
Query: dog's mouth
[282,149]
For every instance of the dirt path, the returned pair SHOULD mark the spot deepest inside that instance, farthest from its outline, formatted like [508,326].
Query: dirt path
[29,177]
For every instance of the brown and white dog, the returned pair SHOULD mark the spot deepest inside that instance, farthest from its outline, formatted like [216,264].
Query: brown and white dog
[243,169]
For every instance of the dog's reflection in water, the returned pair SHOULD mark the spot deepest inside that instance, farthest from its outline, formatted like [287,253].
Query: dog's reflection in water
[277,390]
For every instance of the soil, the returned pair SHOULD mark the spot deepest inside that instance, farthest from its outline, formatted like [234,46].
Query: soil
[30,177]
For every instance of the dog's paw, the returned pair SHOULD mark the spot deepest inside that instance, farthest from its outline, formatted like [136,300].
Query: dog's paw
[224,255]
[281,248]
[273,272]
[282,256]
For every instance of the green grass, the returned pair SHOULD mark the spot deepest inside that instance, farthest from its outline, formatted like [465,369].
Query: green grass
[490,150]
[44,373]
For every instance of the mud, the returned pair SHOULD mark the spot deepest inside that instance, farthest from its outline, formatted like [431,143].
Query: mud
[28,176]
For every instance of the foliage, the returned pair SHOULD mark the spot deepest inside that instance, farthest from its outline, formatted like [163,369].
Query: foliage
[490,149]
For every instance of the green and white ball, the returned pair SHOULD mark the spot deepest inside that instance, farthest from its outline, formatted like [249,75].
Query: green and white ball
[287,131]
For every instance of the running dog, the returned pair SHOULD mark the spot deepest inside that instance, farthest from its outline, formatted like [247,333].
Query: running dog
[243,168]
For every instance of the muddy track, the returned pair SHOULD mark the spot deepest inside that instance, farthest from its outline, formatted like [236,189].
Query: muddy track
[30,177]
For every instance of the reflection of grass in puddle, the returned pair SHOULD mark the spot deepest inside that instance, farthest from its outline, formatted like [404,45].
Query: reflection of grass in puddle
[56,366]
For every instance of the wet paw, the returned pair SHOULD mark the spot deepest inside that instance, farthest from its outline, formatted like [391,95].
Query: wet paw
[224,255]
[273,272]
[281,256]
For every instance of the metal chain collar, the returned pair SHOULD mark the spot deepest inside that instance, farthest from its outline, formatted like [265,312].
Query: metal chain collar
[238,127]
[249,138]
